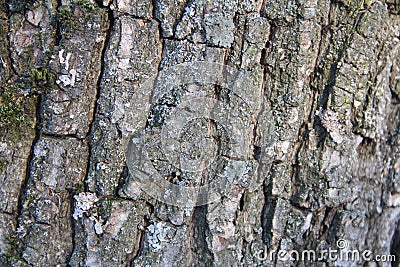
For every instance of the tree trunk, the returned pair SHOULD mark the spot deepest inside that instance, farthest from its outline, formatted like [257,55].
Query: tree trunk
[313,165]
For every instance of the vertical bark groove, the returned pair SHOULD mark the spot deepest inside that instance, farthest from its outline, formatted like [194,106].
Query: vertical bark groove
[321,160]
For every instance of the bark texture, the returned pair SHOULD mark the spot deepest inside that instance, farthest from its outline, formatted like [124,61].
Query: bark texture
[323,159]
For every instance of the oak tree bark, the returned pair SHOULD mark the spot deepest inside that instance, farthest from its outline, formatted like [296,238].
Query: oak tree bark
[324,154]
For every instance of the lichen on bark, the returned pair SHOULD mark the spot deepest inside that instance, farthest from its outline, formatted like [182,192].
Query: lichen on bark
[323,158]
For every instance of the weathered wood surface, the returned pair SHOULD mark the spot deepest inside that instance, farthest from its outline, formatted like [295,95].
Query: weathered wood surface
[324,146]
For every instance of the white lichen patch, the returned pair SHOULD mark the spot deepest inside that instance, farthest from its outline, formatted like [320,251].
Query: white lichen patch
[330,120]
[3,146]
[85,201]
[307,222]
[72,72]
[63,60]
[98,228]
[86,205]
[66,79]
[394,200]
[159,233]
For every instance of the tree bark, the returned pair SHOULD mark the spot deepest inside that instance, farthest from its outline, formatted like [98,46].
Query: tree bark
[322,154]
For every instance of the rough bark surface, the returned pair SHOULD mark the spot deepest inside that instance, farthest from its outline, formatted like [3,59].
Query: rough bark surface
[323,159]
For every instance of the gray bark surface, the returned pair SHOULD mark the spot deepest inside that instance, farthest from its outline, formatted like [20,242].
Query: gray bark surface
[323,160]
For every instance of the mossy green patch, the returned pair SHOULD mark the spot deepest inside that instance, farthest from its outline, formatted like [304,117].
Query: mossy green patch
[66,17]
[17,111]
[13,253]
[12,113]
[86,5]
[42,80]
[3,163]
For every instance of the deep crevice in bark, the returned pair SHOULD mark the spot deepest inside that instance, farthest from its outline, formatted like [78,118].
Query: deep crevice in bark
[72,221]
[268,213]
[202,254]
[9,52]
[58,25]
[395,245]
[24,187]
[111,21]
[122,180]
[333,71]
[308,138]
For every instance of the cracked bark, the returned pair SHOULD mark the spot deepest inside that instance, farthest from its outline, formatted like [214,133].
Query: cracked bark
[324,138]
